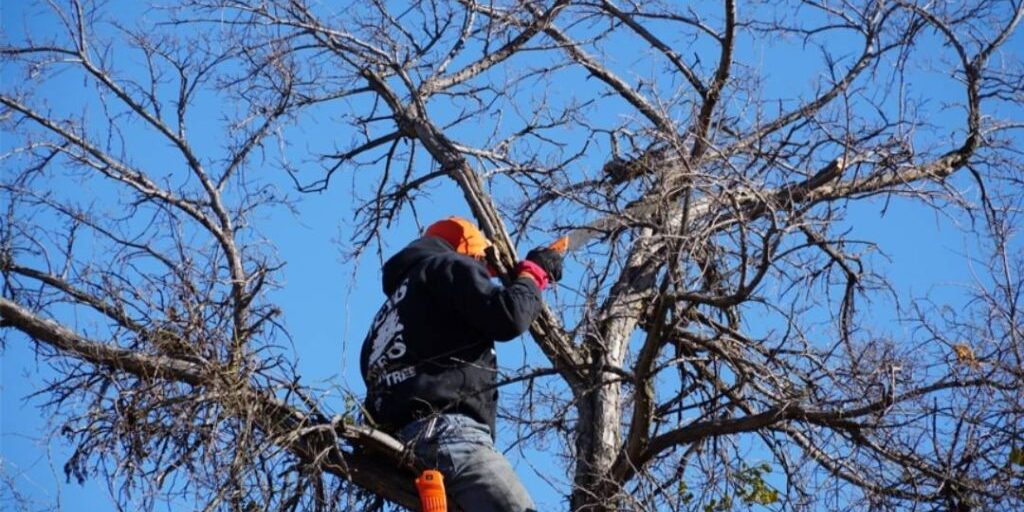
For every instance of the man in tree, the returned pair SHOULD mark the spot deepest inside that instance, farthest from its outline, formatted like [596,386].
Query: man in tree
[429,361]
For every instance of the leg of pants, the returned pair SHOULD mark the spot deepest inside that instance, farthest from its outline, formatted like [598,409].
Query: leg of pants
[476,476]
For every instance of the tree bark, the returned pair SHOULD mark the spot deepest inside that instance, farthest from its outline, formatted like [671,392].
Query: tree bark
[600,403]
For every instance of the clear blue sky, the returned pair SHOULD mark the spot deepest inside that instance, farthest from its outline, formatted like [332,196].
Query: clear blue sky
[328,302]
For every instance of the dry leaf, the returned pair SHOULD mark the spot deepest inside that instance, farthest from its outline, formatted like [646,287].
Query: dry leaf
[965,355]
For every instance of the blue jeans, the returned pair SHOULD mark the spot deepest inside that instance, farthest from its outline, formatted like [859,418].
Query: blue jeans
[476,476]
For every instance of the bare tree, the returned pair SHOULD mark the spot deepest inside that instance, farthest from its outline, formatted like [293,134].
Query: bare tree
[721,307]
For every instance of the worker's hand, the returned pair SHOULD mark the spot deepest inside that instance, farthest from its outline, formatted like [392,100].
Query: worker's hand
[548,259]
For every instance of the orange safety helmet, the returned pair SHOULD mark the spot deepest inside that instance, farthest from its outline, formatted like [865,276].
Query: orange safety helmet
[461,234]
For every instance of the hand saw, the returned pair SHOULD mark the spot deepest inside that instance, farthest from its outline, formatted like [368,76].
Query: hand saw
[579,237]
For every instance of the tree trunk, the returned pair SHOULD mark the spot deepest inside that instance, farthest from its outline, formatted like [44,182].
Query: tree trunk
[600,405]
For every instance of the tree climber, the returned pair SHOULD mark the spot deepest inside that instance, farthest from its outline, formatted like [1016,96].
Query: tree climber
[429,362]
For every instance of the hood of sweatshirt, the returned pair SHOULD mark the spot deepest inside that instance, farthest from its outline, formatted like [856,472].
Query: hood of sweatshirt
[399,265]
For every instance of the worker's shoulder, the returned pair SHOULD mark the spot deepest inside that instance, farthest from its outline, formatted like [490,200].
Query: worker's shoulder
[455,260]
[454,266]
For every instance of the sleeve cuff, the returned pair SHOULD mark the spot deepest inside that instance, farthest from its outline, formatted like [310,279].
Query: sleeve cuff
[534,271]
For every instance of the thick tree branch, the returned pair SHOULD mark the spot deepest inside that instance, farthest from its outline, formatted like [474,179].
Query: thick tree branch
[378,465]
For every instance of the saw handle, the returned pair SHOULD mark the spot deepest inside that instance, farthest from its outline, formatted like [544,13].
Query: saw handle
[561,245]
[430,485]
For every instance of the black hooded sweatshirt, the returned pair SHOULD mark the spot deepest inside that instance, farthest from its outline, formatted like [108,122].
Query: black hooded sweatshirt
[431,346]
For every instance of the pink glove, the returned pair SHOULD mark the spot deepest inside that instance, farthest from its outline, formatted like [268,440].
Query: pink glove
[534,271]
